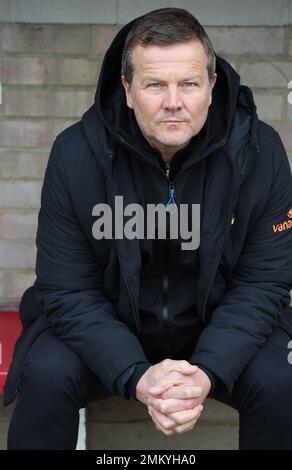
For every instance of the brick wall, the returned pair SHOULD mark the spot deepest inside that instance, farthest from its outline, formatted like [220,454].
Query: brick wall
[48,74]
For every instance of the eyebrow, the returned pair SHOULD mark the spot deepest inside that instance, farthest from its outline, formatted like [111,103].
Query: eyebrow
[156,79]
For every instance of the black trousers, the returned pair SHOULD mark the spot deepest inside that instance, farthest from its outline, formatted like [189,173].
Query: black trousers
[56,383]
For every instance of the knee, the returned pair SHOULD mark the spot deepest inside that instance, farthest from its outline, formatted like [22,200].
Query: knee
[263,385]
[60,370]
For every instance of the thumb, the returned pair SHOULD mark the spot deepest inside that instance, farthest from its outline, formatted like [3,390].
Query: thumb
[188,369]
[185,368]
[181,366]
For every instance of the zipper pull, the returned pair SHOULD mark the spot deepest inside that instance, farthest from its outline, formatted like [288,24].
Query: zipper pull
[171,205]
[167,169]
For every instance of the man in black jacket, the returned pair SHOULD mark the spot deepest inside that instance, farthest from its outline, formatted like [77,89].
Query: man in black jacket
[139,316]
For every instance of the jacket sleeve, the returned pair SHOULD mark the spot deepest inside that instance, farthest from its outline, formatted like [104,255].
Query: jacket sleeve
[259,288]
[69,284]
[125,385]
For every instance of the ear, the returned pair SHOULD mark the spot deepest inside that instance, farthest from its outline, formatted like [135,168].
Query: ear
[211,85]
[128,92]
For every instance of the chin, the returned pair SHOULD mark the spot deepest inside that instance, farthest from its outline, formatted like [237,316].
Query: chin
[171,142]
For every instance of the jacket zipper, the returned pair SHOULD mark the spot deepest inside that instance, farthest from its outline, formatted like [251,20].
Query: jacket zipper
[125,275]
[165,314]
[171,206]
[132,298]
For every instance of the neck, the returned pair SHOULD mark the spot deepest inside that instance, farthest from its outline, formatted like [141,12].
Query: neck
[166,151]
[167,156]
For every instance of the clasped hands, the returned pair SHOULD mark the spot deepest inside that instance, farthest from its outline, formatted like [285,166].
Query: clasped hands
[174,392]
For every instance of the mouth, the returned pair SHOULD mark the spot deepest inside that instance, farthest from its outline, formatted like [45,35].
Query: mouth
[172,121]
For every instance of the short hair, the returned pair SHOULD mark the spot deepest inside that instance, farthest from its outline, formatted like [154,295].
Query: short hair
[165,26]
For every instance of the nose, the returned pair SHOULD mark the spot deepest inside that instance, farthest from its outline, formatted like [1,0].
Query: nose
[172,100]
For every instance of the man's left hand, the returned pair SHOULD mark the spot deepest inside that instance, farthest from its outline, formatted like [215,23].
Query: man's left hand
[178,403]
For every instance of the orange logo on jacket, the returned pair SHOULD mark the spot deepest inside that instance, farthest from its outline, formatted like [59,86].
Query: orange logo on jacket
[284,225]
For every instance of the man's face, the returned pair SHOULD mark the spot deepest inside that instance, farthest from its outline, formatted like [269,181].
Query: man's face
[170,93]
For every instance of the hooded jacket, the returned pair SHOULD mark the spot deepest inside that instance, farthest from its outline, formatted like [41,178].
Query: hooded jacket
[98,294]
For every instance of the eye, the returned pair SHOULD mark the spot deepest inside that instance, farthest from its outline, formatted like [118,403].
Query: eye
[190,84]
[154,85]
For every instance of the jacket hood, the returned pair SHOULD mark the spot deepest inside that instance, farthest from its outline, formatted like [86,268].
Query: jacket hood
[232,121]
[110,100]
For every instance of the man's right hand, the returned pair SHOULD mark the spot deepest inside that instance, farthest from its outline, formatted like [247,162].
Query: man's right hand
[176,373]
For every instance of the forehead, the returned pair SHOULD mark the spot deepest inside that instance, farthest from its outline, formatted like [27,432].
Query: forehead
[189,56]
